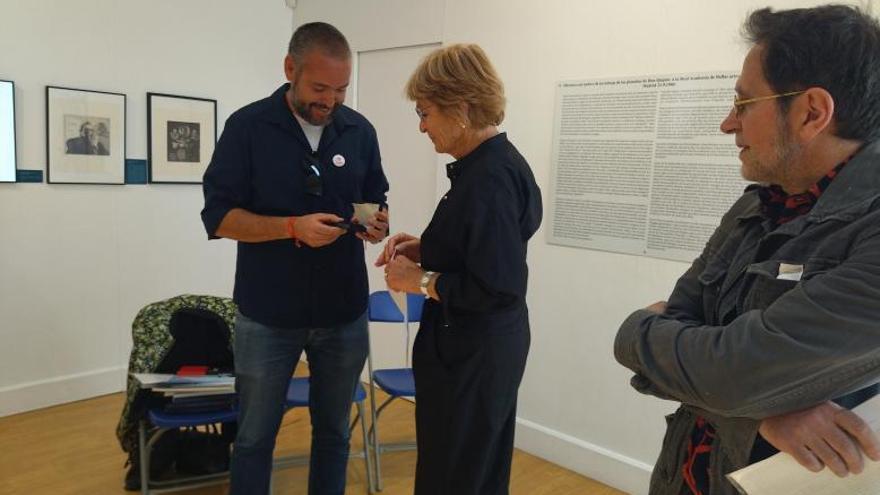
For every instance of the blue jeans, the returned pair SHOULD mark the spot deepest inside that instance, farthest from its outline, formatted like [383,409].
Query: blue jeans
[265,358]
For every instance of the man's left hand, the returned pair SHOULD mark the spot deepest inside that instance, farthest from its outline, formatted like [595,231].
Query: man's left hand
[824,435]
[377,228]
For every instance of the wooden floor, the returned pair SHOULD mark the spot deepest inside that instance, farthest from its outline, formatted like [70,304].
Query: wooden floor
[72,449]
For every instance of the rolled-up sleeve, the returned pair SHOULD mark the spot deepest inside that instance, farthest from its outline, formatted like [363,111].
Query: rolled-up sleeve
[226,183]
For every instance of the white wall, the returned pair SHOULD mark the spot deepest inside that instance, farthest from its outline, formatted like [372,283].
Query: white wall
[576,406]
[377,24]
[77,262]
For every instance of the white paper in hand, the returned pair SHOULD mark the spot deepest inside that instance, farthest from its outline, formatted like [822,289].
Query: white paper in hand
[399,298]
[364,212]
[782,475]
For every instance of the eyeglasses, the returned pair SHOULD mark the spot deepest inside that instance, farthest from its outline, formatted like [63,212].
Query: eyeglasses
[422,112]
[739,105]
[312,169]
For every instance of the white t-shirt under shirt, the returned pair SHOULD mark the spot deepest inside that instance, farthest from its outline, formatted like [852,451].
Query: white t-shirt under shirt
[312,132]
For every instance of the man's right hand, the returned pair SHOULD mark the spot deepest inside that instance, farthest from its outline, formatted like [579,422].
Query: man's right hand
[316,230]
[824,435]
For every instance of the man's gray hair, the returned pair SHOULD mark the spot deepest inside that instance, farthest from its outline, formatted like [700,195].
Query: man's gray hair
[318,35]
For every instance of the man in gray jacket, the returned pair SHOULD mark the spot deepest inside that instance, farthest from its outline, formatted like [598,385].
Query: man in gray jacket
[774,331]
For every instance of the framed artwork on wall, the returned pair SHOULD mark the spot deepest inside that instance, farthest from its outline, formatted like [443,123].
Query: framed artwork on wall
[7,131]
[181,134]
[85,136]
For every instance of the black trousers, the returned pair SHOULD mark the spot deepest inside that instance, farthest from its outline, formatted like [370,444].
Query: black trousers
[466,389]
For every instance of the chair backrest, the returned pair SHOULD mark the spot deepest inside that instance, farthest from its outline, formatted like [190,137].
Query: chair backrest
[201,337]
[152,341]
[382,307]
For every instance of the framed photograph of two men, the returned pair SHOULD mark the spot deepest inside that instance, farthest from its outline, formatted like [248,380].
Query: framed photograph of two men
[85,136]
[181,134]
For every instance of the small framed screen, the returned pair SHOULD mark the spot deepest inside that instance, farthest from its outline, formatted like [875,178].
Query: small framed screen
[7,131]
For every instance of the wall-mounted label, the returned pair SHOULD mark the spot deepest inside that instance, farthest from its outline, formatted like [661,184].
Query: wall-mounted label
[28,176]
[135,171]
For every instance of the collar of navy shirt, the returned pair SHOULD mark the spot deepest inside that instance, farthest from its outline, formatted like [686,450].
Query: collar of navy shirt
[280,114]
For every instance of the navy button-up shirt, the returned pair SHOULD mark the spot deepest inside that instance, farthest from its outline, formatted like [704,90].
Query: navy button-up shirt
[258,166]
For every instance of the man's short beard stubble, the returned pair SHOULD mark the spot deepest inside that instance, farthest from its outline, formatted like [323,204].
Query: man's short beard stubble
[303,109]
[782,165]
[786,150]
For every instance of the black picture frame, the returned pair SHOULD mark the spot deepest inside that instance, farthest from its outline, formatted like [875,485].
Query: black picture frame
[85,136]
[181,136]
[8,149]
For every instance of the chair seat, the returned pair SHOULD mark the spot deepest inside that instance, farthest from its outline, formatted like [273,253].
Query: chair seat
[163,419]
[396,381]
[297,396]
[298,393]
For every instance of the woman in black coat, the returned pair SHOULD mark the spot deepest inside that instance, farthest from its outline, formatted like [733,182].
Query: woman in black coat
[470,352]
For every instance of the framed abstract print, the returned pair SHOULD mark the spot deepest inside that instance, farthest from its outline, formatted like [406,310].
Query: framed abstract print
[182,132]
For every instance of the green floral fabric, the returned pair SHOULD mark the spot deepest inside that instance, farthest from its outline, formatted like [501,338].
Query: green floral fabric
[151,340]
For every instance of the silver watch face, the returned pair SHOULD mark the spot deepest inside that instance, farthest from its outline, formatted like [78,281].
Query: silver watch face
[426,279]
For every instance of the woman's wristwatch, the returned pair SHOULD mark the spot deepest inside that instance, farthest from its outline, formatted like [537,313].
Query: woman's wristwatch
[423,284]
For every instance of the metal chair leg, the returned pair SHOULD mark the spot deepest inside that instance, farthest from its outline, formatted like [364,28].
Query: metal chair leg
[144,458]
[373,429]
[354,422]
[367,461]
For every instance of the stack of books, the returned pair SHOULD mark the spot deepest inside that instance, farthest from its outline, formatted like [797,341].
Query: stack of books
[191,393]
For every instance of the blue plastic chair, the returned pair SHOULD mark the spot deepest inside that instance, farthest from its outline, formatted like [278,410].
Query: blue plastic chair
[162,422]
[158,422]
[396,382]
[298,396]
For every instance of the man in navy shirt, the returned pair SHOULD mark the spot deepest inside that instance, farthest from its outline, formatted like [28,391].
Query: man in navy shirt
[286,170]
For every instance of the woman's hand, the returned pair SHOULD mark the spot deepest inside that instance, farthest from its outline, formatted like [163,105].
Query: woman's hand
[402,274]
[400,244]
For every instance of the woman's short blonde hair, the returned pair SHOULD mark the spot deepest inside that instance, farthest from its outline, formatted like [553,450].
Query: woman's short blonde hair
[457,74]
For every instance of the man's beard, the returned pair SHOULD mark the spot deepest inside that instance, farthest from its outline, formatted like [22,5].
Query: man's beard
[787,149]
[304,110]
[778,168]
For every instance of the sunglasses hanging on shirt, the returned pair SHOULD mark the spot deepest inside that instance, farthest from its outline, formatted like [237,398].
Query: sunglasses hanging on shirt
[312,168]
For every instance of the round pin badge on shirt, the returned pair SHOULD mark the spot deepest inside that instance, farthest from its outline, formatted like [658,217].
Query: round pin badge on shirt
[339,160]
